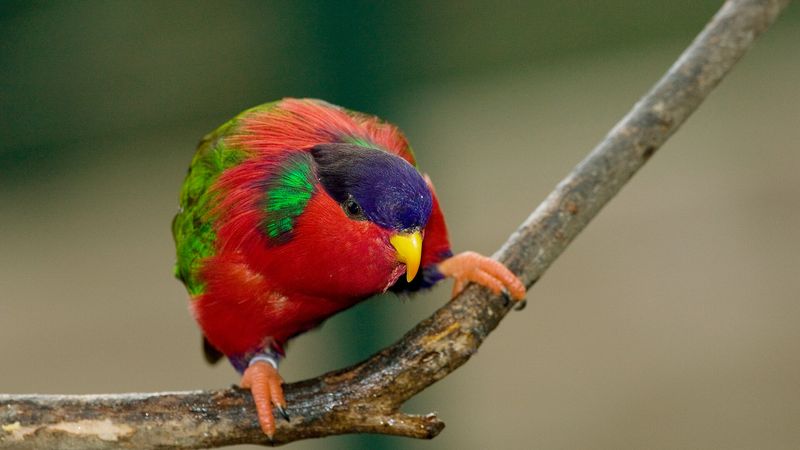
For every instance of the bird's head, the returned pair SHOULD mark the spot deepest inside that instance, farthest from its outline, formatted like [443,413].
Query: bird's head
[381,190]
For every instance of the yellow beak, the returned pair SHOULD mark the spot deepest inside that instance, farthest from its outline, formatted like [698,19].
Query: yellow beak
[409,251]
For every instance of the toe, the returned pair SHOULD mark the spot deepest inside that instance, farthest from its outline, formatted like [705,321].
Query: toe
[487,280]
[261,397]
[276,391]
[246,381]
[509,280]
[458,286]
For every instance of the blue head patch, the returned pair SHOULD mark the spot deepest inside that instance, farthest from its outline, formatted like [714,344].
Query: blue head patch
[374,185]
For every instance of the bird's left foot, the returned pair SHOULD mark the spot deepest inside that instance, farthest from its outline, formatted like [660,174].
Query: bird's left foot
[473,267]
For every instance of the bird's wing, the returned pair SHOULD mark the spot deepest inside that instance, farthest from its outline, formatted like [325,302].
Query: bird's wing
[192,227]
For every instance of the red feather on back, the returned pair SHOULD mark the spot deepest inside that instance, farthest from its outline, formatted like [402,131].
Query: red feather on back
[303,123]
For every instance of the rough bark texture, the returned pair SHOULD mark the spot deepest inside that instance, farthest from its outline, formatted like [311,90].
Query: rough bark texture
[366,398]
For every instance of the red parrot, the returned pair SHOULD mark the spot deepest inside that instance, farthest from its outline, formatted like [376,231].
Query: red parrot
[298,209]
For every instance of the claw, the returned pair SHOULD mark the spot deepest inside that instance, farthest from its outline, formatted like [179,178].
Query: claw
[283,413]
[520,304]
[506,297]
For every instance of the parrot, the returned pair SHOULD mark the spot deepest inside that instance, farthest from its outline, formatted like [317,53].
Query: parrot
[295,210]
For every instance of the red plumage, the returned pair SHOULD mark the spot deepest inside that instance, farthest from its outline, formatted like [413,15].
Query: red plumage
[258,294]
[303,123]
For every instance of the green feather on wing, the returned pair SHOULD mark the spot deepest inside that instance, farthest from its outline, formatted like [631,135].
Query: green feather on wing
[193,226]
[286,196]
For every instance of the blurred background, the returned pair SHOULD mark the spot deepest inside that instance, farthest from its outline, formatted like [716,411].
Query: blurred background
[673,321]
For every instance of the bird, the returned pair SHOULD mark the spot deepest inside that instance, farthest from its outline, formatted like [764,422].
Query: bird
[295,210]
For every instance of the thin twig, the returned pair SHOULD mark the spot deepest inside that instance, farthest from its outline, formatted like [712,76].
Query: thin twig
[366,398]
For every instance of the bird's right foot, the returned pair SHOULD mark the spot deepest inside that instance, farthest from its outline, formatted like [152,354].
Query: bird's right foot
[265,383]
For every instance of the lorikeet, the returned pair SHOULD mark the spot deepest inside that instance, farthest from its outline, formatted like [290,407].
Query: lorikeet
[295,210]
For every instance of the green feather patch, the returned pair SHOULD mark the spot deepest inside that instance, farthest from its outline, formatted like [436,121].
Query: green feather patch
[193,228]
[287,194]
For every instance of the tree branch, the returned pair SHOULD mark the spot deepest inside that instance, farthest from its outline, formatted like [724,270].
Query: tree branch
[366,398]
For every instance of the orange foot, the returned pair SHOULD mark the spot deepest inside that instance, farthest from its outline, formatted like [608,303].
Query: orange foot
[472,267]
[264,383]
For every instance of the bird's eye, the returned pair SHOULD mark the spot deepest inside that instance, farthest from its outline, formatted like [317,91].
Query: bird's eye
[353,209]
